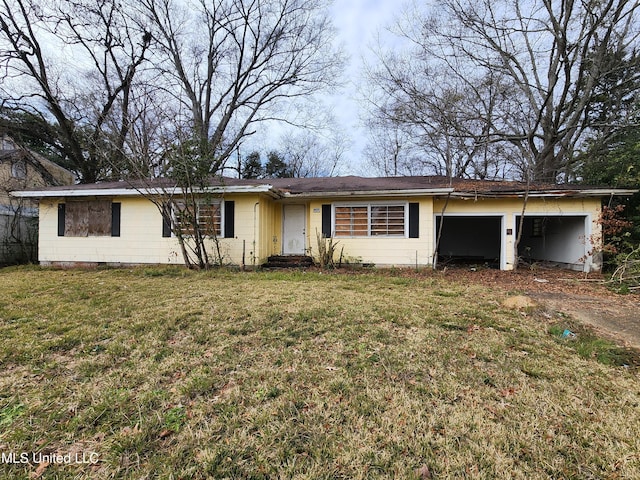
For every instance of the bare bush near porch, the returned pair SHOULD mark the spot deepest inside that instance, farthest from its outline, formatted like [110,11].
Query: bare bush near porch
[326,251]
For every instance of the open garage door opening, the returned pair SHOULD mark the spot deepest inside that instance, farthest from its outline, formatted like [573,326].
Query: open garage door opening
[469,240]
[555,241]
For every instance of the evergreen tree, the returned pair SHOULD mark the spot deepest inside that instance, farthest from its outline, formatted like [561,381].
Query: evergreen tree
[35,133]
[252,166]
[618,165]
[612,157]
[276,167]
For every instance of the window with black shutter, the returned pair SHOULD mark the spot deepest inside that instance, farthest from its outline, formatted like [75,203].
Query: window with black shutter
[89,218]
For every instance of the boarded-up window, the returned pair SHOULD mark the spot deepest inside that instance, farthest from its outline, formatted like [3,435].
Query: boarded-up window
[369,220]
[351,221]
[210,219]
[208,215]
[89,218]
[387,220]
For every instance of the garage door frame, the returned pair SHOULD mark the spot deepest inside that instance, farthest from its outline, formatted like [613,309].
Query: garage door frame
[503,236]
[588,264]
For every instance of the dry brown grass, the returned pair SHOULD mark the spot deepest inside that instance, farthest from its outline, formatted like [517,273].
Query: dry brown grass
[167,373]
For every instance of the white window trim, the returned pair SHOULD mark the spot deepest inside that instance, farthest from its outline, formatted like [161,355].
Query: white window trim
[377,203]
[201,202]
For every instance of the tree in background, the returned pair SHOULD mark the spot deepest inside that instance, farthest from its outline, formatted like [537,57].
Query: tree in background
[618,166]
[252,166]
[32,132]
[162,87]
[276,167]
[311,155]
[232,64]
[512,81]
[300,154]
[235,62]
[387,150]
[80,112]
[612,154]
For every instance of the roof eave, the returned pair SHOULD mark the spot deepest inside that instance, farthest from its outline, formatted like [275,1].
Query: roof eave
[370,193]
[588,193]
[146,191]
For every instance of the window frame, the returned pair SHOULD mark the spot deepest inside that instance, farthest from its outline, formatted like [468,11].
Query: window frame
[19,169]
[538,227]
[369,205]
[221,208]
[66,217]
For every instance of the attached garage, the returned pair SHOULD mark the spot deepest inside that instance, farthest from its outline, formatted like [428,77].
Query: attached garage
[560,239]
[382,221]
[470,239]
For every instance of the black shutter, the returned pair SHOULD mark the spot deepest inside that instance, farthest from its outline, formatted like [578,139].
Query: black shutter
[414,220]
[166,221]
[61,210]
[229,220]
[326,221]
[115,219]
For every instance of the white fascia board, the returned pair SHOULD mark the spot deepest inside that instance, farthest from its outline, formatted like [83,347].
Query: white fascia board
[93,192]
[608,192]
[127,192]
[549,194]
[371,193]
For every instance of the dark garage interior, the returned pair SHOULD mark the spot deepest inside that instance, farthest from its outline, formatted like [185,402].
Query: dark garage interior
[469,240]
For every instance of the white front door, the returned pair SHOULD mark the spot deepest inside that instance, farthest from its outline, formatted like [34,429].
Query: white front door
[293,235]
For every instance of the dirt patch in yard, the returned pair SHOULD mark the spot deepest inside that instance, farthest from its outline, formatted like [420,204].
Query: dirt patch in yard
[583,297]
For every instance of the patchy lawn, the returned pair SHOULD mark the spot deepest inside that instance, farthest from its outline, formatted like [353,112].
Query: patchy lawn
[167,373]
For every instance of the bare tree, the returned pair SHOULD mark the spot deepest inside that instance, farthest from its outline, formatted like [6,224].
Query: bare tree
[88,97]
[309,154]
[162,87]
[229,62]
[434,124]
[389,149]
[229,65]
[523,74]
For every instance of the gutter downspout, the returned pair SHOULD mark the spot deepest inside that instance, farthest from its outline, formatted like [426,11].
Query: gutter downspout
[253,252]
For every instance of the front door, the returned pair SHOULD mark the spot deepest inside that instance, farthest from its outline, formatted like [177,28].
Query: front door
[293,235]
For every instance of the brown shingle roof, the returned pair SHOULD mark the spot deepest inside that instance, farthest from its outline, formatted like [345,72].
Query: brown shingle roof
[355,184]
[359,184]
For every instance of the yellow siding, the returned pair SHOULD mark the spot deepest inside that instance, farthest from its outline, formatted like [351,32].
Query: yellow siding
[140,238]
[258,231]
[270,227]
[512,208]
[549,206]
[380,251]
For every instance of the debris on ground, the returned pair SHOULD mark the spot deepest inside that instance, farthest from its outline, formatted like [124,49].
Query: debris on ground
[519,302]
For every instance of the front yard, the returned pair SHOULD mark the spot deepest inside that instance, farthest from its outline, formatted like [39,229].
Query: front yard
[168,373]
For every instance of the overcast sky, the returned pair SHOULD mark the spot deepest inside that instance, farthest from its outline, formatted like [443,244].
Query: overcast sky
[357,23]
